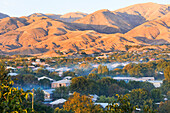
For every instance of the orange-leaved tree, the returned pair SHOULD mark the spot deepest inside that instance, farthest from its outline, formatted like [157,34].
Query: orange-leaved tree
[81,104]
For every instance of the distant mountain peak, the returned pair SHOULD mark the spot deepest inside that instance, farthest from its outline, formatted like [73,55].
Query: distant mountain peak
[74,15]
[103,10]
[3,15]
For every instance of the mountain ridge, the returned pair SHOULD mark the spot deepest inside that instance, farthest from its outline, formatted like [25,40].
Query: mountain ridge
[101,31]
[2,15]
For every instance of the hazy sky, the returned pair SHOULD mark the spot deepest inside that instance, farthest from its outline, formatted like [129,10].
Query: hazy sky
[27,7]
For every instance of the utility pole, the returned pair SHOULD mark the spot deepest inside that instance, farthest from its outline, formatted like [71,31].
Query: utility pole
[33,100]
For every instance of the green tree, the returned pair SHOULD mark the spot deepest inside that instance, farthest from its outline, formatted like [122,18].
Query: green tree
[128,67]
[164,107]
[26,71]
[104,84]
[104,99]
[39,95]
[61,92]
[93,76]
[168,95]
[54,75]
[136,84]
[148,107]
[156,95]
[162,65]
[139,96]
[41,108]
[100,69]
[116,89]
[121,105]
[30,80]
[165,87]
[42,72]
[45,83]
[105,70]
[18,80]
[93,87]
[69,73]
[79,84]
[167,73]
[95,70]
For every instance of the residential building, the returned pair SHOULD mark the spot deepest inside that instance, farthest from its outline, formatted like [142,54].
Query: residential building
[61,83]
[104,57]
[127,79]
[58,101]
[48,93]
[12,69]
[102,104]
[94,97]
[156,83]
[12,74]
[50,69]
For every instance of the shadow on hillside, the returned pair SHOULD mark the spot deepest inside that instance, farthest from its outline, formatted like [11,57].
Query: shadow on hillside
[152,41]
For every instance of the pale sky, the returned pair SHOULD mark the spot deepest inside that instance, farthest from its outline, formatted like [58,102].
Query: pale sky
[19,8]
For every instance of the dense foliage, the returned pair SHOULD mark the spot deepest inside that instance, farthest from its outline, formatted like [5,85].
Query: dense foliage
[12,99]
[105,86]
[81,104]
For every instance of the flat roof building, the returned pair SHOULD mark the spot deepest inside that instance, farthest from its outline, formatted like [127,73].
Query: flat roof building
[61,83]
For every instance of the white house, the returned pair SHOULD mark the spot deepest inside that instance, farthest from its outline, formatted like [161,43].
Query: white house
[62,69]
[32,67]
[58,101]
[12,74]
[48,94]
[102,104]
[37,60]
[127,79]
[50,69]
[156,83]
[104,57]
[35,69]
[61,83]
[11,68]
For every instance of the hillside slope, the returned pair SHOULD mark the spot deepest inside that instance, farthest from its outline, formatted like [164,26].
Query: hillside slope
[69,17]
[154,32]
[3,15]
[101,31]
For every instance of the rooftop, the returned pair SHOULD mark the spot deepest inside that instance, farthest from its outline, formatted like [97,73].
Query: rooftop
[67,78]
[63,81]
[134,78]
[44,77]
[59,101]
[50,91]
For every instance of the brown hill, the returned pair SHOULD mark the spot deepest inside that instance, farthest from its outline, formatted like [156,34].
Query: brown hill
[11,23]
[69,17]
[153,32]
[125,19]
[40,35]
[44,34]
[149,11]
[105,21]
